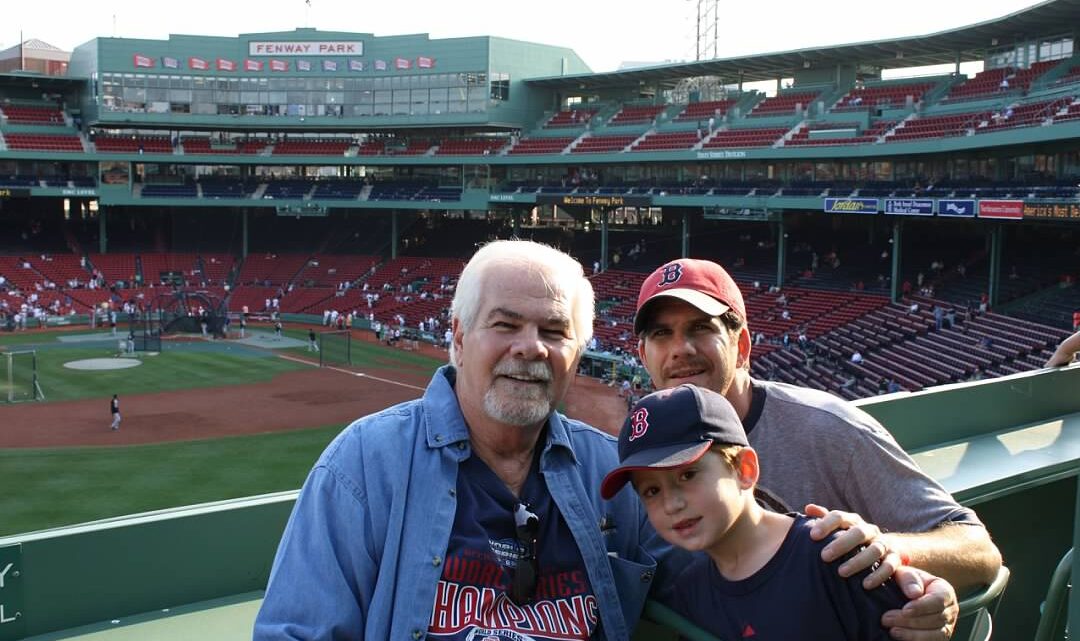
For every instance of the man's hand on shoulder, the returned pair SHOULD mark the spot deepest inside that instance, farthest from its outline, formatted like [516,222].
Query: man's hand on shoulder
[855,533]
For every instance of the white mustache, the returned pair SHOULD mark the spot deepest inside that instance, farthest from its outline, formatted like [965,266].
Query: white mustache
[537,369]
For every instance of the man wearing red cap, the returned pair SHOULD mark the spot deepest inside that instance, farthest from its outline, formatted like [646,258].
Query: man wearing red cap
[817,449]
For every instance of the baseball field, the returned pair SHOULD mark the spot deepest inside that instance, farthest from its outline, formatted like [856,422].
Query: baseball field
[203,420]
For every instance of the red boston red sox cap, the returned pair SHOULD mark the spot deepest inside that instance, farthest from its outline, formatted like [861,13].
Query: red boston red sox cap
[702,283]
[672,428]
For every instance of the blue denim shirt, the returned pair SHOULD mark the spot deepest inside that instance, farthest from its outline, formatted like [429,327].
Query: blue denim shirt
[362,553]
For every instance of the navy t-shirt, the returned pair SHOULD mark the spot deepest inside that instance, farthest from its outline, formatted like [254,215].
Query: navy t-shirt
[471,600]
[795,596]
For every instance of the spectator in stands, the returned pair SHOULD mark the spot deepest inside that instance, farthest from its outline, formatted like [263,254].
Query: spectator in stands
[1065,352]
[691,324]
[856,357]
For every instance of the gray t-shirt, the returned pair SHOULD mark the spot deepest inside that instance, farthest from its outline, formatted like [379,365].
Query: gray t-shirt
[818,448]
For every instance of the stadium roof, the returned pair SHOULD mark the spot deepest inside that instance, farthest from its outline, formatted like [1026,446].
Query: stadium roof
[965,44]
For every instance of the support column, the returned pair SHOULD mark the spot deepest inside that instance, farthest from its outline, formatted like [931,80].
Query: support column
[103,241]
[515,222]
[393,234]
[997,241]
[1072,613]
[897,239]
[686,234]
[244,233]
[781,251]
[603,239]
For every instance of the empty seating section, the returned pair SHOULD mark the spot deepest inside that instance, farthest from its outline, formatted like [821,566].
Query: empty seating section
[415,148]
[18,275]
[20,181]
[470,146]
[602,144]
[1072,113]
[783,104]
[540,146]
[905,347]
[251,146]
[201,145]
[287,189]
[635,115]
[761,137]
[890,96]
[392,190]
[133,144]
[169,191]
[330,270]
[30,115]
[937,126]
[410,286]
[665,141]
[570,118]
[60,268]
[372,147]
[312,147]
[223,187]
[39,142]
[216,268]
[115,267]
[983,84]
[705,110]
[342,189]
[1024,77]
[270,269]
[156,266]
[204,145]
[1024,115]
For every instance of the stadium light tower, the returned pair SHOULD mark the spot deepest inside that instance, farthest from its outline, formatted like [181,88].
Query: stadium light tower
[707,28]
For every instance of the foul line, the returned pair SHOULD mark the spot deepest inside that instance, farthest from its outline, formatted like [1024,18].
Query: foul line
[350,373]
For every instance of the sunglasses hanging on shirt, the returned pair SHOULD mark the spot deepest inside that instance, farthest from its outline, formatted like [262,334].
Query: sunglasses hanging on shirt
[527,569]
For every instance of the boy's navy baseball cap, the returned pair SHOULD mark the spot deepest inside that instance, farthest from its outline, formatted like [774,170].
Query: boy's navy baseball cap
[702,283]
[670,428]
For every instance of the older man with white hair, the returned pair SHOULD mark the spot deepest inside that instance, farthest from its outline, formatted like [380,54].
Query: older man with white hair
[473,512]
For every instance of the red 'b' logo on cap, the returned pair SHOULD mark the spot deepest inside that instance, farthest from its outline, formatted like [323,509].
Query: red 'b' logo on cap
[672,274]
[639,423]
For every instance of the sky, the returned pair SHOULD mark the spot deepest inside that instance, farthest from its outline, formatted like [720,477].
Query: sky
[605,33]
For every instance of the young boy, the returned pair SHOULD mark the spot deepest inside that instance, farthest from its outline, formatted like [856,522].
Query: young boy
[687,456]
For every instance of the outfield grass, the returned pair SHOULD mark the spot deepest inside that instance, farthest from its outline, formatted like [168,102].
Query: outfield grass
[54,487]
[206,365]
[63,486]
[171,370]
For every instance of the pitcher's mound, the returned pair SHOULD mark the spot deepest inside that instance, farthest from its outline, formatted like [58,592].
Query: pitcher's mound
[103,363]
